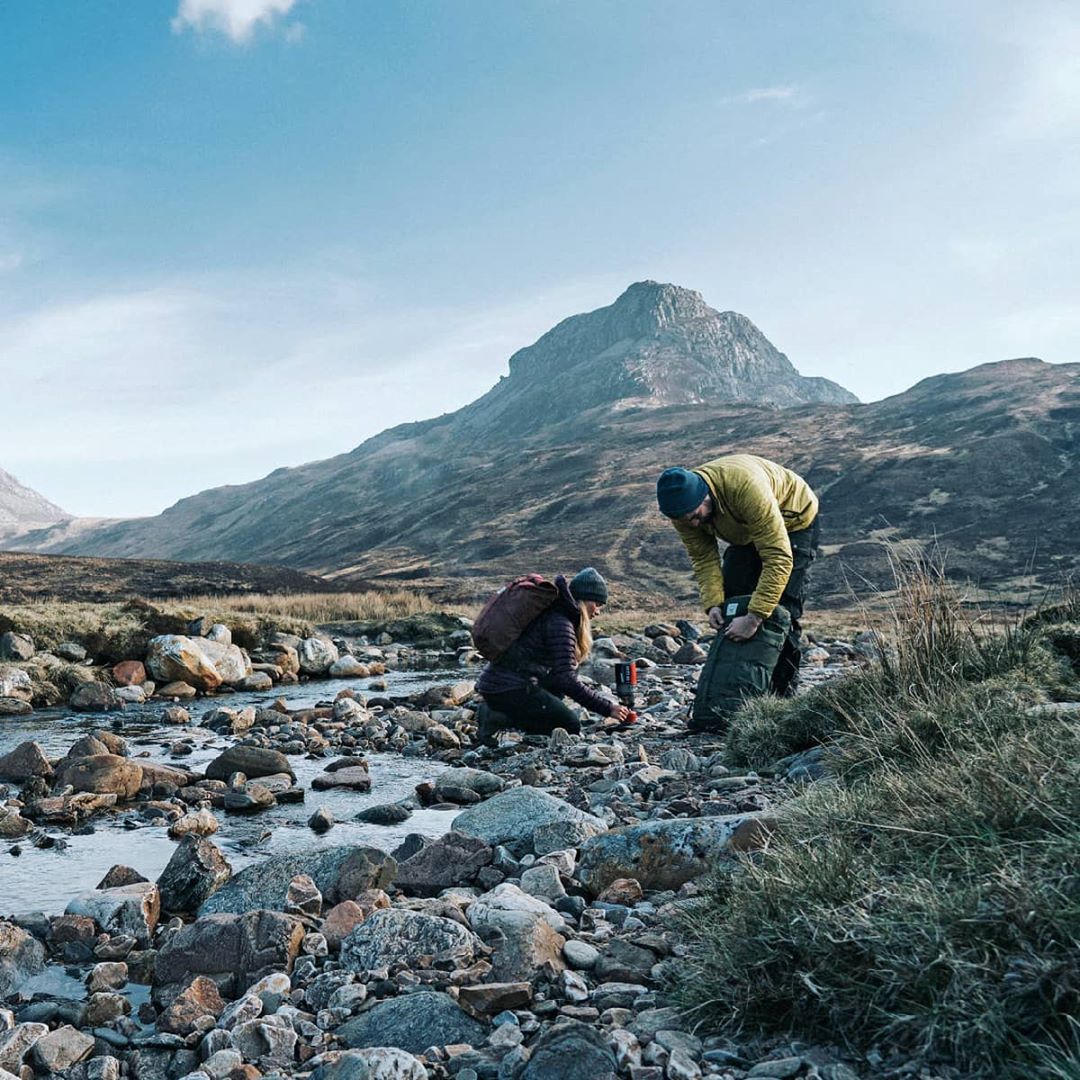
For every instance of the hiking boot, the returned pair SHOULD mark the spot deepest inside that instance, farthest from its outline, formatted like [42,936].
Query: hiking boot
[488,725]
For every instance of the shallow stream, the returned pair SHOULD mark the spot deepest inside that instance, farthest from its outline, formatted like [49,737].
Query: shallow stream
[46,879]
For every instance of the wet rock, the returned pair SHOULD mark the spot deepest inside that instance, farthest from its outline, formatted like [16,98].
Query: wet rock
[385,814]
[127,909]
[340,873]
[257,680]
[777,1069]
[252,761]
[348,667]
[62,1048]
[401,936]
[666,854]
[198,999]
[195,823]
[16,647]
[316,654]
[176,714]
[413,1022]
[88,746]
[199,662]
[233,950]
[102,774]
[451,860]
[322,820]
[109,975]
[21,956]
[354,778]
[512,817]
[120,875]
[103,1007]
[13,824]
[12,706]
[249,799]
[571,1051]
[17,1042]
[483,783]
[177,690]
[26,760]
[196,870]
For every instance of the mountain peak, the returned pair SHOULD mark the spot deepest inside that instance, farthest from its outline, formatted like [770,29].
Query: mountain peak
[657,344]
[660,303]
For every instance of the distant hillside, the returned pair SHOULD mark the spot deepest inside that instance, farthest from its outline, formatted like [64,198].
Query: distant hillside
[26,577]
[555,467]
[23,508]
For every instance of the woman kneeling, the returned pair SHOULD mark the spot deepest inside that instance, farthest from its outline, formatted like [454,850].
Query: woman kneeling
[525,689]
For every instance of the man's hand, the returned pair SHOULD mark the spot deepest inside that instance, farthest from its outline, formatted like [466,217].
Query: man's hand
[620,713]
[716,618]
[743,628]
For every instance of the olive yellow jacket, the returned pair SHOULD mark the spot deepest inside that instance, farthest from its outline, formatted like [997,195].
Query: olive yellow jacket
[756,502]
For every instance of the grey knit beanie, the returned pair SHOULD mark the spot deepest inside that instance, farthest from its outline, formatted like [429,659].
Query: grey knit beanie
[589,585]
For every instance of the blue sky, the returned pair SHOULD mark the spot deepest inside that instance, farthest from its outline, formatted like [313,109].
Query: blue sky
[240,234]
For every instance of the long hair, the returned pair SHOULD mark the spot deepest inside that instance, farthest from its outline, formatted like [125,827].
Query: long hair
[584,633]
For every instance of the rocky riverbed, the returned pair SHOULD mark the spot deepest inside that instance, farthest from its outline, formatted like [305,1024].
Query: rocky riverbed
[497,912]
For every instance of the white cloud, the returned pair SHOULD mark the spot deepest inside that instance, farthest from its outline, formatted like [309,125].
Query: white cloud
[786,95]
[236,19]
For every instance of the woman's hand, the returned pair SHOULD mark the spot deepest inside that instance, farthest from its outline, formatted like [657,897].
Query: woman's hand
[619,712]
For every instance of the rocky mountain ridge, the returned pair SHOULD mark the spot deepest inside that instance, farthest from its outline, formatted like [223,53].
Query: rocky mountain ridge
[974,463]
[23,508]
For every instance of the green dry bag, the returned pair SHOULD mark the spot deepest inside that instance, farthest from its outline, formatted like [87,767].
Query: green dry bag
[736,670]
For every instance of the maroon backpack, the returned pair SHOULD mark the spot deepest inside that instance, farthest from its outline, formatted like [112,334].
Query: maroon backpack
[503,619]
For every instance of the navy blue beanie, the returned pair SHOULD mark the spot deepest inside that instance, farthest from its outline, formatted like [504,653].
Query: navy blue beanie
[678,491]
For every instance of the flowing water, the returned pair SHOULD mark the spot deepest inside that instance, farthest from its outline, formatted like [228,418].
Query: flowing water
[46,879]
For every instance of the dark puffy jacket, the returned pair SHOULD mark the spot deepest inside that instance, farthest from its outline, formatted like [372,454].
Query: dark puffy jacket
[548,645]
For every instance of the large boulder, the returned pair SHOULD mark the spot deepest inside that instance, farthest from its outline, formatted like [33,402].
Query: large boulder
[413,1022]
[126,909]
[233,950]
[524,932]
[95,697]
[451,860]
[666,854]
[17,1042]
[102,774]
[317,655]
[199,998]
[571,1051]
[21,956]
[62,1048]
[15,646]
[15,683]
[252,761]
[199,662]
[195,872]
[13,706]
[511,818]
[397,935]
[339,873]
[26,760]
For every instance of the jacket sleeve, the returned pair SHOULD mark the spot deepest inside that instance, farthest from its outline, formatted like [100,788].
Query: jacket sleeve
[561,642]
[705,558]
[756,504]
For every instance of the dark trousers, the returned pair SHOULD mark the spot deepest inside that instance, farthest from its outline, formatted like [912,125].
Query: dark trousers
[742,568]
[534,710]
